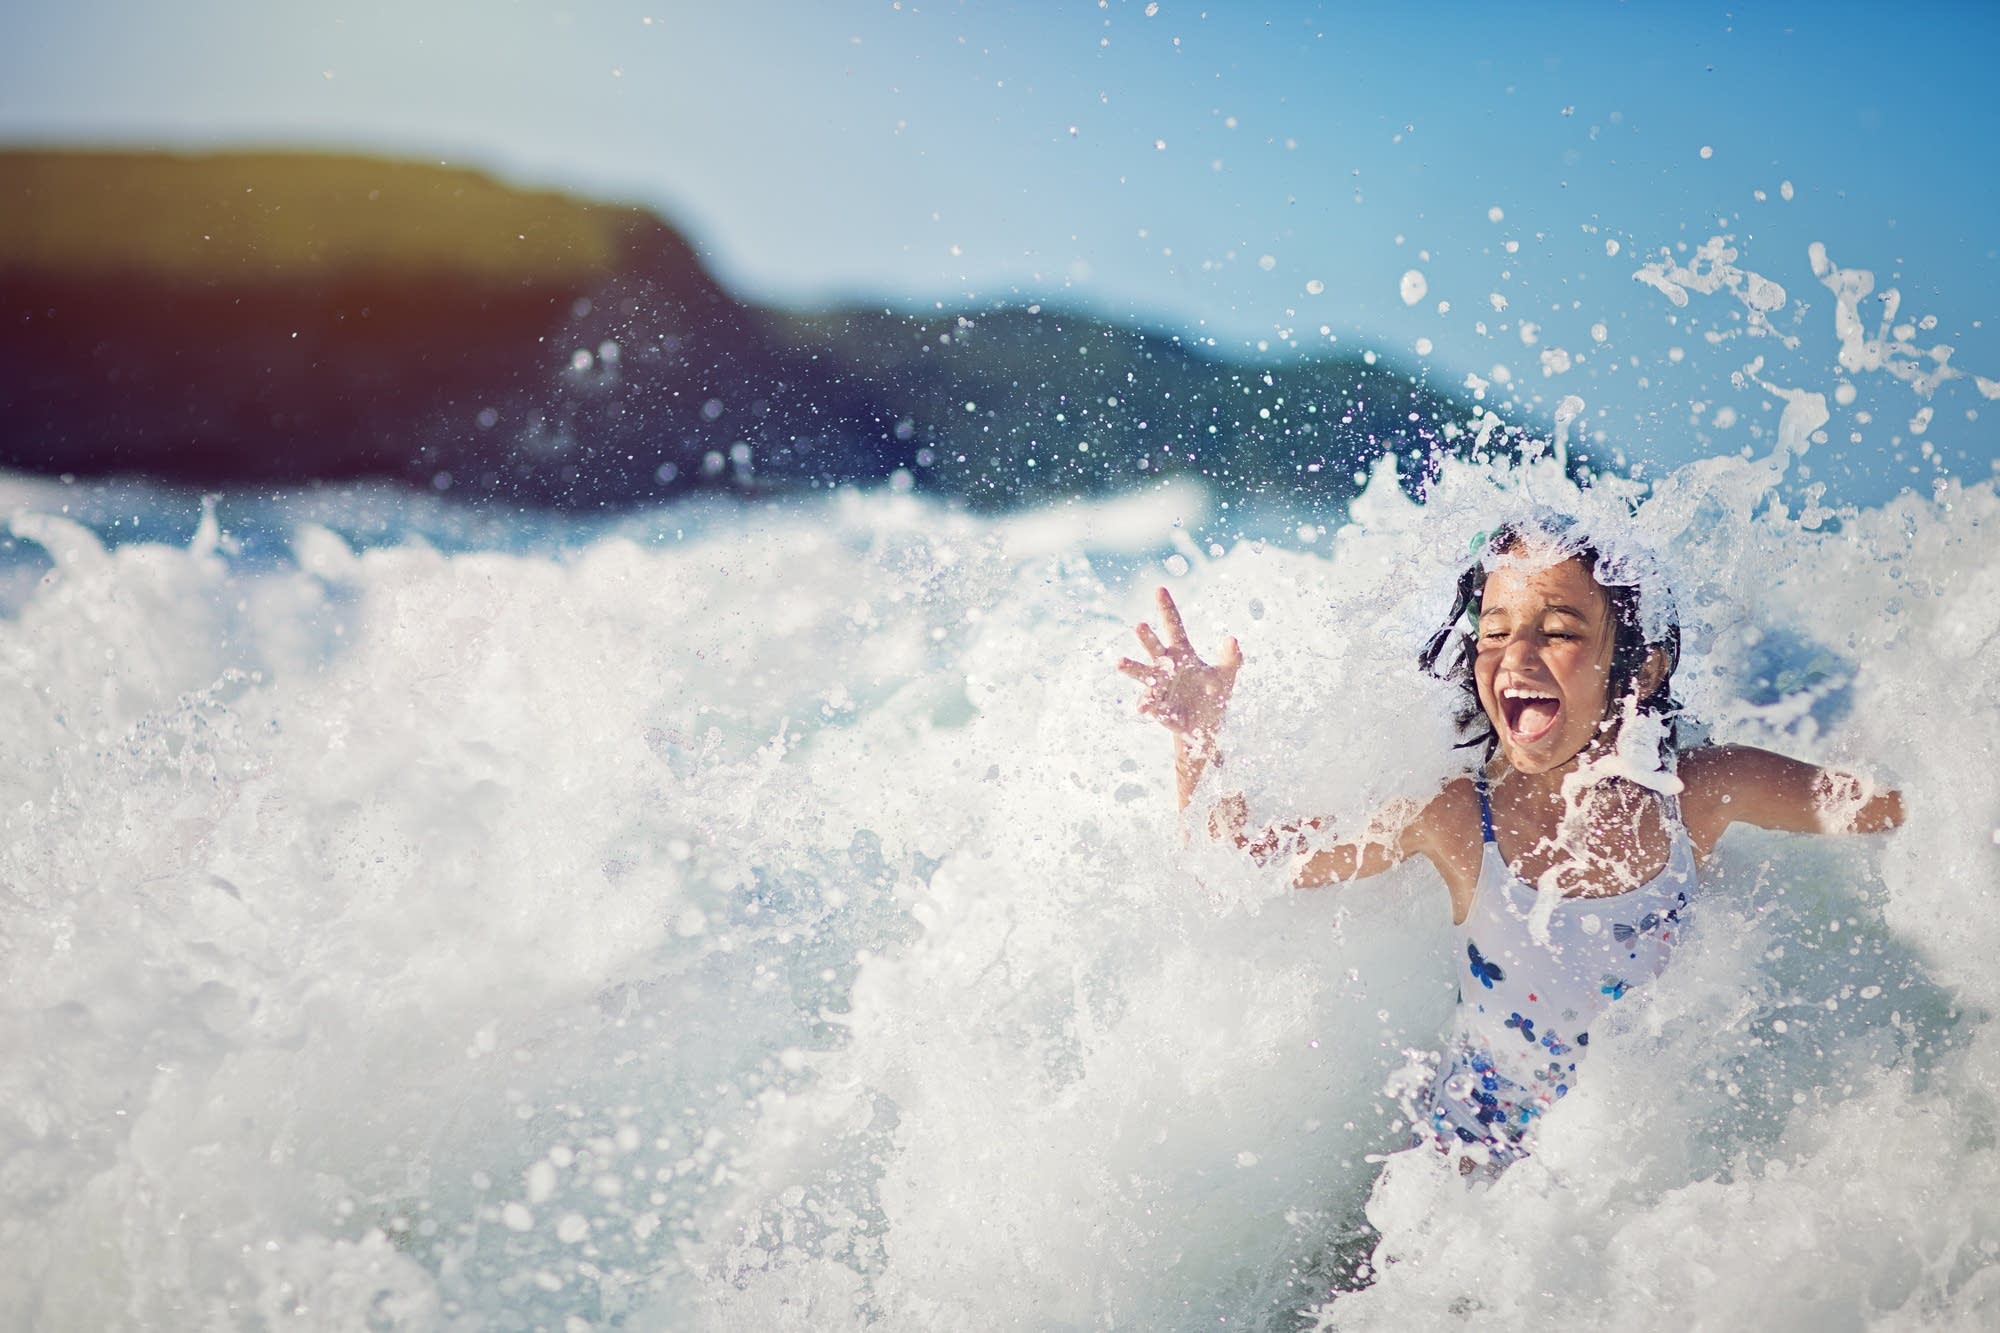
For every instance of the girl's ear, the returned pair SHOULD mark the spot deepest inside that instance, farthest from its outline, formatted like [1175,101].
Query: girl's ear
[1653,674]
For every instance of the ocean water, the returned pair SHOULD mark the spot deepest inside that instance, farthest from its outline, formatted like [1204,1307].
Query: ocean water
[776,918]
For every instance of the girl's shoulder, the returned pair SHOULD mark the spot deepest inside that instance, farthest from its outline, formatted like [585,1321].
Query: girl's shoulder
[1455,809]
[1448,829]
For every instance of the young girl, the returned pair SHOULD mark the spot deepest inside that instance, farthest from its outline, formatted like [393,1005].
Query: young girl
[1571,851]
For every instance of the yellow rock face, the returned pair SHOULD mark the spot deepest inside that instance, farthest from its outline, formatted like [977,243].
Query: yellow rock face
[290,216]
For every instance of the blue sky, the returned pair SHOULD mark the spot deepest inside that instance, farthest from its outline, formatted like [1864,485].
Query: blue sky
[1251,173]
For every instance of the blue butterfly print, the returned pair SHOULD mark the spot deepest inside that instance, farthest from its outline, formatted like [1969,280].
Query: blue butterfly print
[1492,1111]
[1488,973]
[1554,1045]
[1622,932]
[1525,1025]
[1614,987]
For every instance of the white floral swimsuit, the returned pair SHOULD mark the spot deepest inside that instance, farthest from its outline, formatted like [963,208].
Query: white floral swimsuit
[1526,999]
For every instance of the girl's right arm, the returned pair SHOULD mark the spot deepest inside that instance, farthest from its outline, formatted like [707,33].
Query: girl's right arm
[1386,841]
[1190,698]
[1392,835]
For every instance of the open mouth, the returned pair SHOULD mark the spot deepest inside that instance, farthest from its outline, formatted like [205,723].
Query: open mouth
[1529,714]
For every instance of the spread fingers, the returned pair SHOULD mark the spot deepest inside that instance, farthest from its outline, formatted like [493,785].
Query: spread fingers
[1171,615]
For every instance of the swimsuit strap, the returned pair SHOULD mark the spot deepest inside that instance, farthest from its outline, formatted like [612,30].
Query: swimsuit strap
[1485,808]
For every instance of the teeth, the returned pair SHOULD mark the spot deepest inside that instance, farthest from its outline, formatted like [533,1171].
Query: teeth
[1512,693]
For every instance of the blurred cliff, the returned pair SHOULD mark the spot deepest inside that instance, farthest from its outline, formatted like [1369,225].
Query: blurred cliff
[280,319]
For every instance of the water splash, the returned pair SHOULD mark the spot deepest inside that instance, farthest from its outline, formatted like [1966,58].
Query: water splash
[784,926]
[1892,348]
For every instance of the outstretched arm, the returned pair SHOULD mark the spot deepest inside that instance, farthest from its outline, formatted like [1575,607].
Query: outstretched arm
[1190,698]
[1739,784]
[1391,836]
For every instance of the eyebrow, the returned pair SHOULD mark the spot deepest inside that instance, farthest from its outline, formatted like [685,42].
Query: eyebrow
[1556,608]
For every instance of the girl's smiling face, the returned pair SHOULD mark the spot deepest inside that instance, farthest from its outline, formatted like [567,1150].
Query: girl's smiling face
[1543,665]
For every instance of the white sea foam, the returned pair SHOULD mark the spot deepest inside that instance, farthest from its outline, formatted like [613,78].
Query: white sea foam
[784,927]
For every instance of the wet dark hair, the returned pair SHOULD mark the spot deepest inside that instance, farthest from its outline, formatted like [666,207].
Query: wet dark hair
[1629,650]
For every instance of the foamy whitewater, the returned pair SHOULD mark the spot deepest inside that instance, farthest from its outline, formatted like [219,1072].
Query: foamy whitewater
[776,919]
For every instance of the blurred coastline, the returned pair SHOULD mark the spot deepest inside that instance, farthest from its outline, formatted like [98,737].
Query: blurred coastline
[279,319]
